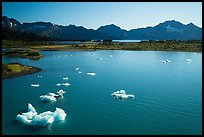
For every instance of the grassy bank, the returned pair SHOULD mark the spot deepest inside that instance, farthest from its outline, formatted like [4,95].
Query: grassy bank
[16,69]
[169,45]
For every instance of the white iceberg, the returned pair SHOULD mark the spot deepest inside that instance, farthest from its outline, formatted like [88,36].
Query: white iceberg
[59,114]
[168,60]
[31,108]
[58,84]
[188,60]
[66,84]
[121,95]
[61,92]
[52,96]
[111,56]
[35,85]
[76,68]
[66,78]
[91,74]
[165,61]
[43,119]
[63,84]
[47,98]
[39,76]
[79,72]
[99,58]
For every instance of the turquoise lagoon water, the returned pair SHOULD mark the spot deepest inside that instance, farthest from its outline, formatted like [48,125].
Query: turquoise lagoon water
[168,96]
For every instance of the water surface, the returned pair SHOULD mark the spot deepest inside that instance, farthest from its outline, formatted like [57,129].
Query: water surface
[167,99]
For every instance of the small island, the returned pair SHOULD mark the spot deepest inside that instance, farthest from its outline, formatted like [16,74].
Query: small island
[15,69]
[23,53]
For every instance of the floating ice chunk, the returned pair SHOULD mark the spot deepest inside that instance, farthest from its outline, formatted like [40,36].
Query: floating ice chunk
[163,61]
[99,58]
[59,114]
[111,56]
[39,76]
[42,119]
[29,115]
[168,60]
[23,119]
[131,96]
[38,120]
[35,85]
[188,60]
[52,94]
[61,92]
[63,84]
[31,108]
[47,98]
[66,78]
[66,84]
[58,84]
[91,74]
[79,72]
[76,68]
[121,95]
[48,115]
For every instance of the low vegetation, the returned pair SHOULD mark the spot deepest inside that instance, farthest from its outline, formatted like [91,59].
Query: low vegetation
[16,69]
[163,45]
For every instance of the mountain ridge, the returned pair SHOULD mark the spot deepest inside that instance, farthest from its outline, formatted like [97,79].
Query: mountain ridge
[168,30]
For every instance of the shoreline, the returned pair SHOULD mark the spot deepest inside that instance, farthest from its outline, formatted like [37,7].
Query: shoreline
[31,70]
[171,45]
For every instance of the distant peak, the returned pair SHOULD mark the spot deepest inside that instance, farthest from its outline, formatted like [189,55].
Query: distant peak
[190,24]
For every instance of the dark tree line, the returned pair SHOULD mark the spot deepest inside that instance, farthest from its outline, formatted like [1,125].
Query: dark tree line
[9,34]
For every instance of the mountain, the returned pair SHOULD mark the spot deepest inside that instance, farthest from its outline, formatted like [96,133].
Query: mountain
[11,23]
[55,32]
[168,30]
[113,31]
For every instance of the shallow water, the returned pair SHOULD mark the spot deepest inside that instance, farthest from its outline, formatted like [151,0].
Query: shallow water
[168,96]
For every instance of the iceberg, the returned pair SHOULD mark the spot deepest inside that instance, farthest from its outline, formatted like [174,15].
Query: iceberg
[91,74]
[66,84]
[63,84]
[52,96]
[47,98]
[58,84]
[66,78]
[59,114]
[76,68]
[43,119]
[99,58]
[165,61]
[31,108]
[35,85]
[121,95]
[61,92]
[80,72]
[188,60]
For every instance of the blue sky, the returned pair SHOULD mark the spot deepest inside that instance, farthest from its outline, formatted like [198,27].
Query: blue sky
[127,15]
